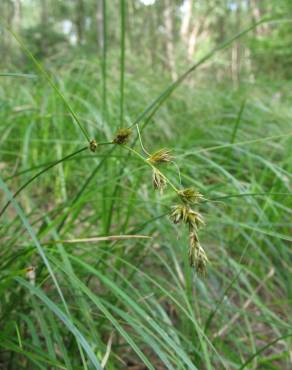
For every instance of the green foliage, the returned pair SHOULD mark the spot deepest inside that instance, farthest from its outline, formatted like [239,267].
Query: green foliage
[44,41]
[82,287]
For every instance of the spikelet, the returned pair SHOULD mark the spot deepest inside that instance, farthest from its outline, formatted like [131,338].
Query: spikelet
[179,214]
[93,145]
[190,195]
[122,136]
[160,156]
[194,219]
[185,214]
[158,180]
[197,255]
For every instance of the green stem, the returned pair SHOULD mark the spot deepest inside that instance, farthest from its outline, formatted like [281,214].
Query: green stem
[122,72]
[104,62]
[39,174]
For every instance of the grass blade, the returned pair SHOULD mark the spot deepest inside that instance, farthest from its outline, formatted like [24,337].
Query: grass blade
[47,77]
[64,318]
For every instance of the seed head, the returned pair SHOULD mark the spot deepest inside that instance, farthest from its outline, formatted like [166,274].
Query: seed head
[194,219]
[160,156]
[93,145]
[185,214]
[179,214]
[190,195]
[122,136]
[197,255]
[158,180]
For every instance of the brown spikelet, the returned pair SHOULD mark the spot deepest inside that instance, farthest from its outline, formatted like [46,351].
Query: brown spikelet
[190,195]
[179,213]
[122,136]
[183,213]
[194,219]
[197,255]
[158,180]
[93,145]
[160,156]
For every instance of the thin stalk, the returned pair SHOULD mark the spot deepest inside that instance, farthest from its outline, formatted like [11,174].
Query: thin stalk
[39,174]
[104,95]
[238,119]
[122,60]
[140,139]
[48,163]
[244,195]
[104,61]
[7,74]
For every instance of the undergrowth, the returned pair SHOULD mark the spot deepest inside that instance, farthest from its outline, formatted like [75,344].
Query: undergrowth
[93,273]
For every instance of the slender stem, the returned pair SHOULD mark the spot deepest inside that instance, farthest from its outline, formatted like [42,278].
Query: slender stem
[240,195]
[39,174]
[104,61]
[122,71]
[104,97]
[237,122]
[105,143]
[140,139]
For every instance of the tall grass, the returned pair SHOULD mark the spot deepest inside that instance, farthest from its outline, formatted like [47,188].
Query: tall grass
[116,304]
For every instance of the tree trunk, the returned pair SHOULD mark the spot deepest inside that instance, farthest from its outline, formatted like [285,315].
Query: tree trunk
[80,18]
[185,24]
[44,13]
[236,50]
[7,10]
[17,16]
[99,26]
[192,41]
[168,20]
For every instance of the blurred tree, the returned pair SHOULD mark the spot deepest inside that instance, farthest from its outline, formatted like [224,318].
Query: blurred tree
[80,20]
[165,33]
[169,12]
[7,13]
